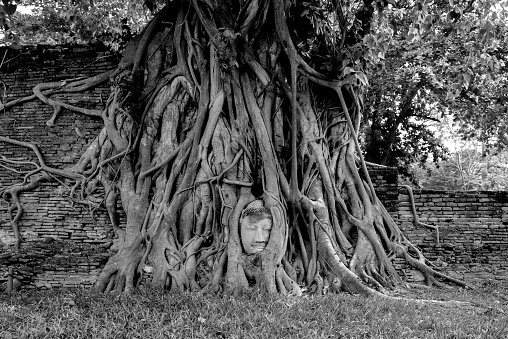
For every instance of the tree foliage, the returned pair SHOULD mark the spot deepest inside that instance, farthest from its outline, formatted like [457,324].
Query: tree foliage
[446,59]
[466,169]
[219,106]
[61,22]
[397,131]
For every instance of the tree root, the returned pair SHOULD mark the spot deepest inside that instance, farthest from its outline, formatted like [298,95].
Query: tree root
[416,220]
[203,118]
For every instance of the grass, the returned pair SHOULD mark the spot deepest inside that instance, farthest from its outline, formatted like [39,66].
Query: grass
[152,314]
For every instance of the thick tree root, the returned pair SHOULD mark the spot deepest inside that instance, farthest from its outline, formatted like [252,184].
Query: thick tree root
[416,220]
[207,114]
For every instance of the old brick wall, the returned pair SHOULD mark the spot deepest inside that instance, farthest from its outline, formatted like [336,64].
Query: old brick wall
[385,181]
[65,243]
[473,229]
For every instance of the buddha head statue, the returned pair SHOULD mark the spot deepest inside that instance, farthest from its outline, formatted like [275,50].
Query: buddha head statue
[255,227]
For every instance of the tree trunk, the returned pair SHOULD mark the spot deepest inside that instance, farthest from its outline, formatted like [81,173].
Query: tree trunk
[211,110]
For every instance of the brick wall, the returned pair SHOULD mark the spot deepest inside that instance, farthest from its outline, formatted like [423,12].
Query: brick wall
[384,180]
[66,244]
[473,229]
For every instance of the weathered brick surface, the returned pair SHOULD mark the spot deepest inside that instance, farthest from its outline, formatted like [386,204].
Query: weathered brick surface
[473,231]
[473,228]
[67,244]
[57,263]
[83,237]
[385,183]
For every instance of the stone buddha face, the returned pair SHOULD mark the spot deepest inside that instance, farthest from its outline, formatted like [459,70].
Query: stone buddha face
[255,227]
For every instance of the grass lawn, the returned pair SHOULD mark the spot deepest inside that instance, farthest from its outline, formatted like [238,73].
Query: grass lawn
[151,314]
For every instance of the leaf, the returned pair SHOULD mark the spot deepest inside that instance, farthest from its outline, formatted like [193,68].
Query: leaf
[347,71]
[362,78]
[456,86]
[466,78]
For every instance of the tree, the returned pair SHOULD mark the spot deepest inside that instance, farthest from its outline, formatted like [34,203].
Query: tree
[466,169]
[111,22]
[398,110]
[444,62]
[482,114]
[220,110]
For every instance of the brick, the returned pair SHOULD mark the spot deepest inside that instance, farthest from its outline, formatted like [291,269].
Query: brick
[473,225]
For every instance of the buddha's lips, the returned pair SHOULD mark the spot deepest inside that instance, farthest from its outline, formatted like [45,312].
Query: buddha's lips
[258,248]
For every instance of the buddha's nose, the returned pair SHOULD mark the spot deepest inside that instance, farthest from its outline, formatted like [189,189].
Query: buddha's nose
[260,237]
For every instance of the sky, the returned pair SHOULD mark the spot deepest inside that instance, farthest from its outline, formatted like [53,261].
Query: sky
[25,9]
